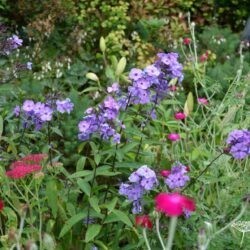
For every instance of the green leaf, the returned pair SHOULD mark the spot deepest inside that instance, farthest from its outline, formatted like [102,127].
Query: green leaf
[117,215]
[51,193]
[105,171]
[92,232]
[189,104]
[71,222]
[111,205]
[85,187]
[82,173]
[80,163]
[57,131]
[121,66]
[94,203]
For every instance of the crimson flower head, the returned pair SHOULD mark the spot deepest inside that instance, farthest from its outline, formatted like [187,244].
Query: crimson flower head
[1,205]
[186,41]
[179,116]
[22,170]
[173,204]
[174,137]
[143,221]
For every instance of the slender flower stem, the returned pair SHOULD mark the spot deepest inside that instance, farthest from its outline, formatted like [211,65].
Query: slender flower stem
[171,232]
[202,172]
[158,231]
[146,238]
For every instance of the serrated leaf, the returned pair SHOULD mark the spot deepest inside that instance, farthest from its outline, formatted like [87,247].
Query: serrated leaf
[92,232]
[85,187]
[94,204]
[71,222]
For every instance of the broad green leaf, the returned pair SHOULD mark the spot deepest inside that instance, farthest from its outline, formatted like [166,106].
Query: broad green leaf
[94,203]
[82,173]
[71,222]
[92,232]
[121,66]
[111,205]
[85,187]
[105,171]
[117,215]
[51,194]
[57,131]
[80,163]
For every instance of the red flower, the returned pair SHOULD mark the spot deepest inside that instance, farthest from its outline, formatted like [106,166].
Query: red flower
[186,41]
[203,57]
[173,204]
[34,158]
[21,170]
[187,168]
[165,173]
[179,116]
[1,205]
[174,137]
[143,221]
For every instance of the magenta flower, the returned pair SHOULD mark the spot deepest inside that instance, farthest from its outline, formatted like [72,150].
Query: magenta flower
[202,101]
[174,137]
[179,116]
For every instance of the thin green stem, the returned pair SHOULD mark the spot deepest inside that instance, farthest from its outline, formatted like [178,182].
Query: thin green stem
[157,224]
[146,238]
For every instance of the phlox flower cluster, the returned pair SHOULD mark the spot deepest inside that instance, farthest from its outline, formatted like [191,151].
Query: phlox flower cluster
[101,120]
[10,44]
[177,177]
[38,113]
[239,143]
[152,83]
[25,166]
[142,180]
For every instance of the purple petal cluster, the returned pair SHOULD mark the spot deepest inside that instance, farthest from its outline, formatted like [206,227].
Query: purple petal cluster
[239,143]
[11,44]
[140,181]
[38,113]
[178,177]
[64,106]
[102,120]
[151,83]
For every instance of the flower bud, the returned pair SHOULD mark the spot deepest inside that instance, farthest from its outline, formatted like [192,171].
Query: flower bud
[92,76]
[121,66]
[102,45]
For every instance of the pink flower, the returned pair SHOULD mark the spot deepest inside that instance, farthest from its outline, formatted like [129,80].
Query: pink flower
[186,41]
[202,101]
[173,204]
[174,137]
[22,170]
[165,173]
[179,116]
[203,58]
[143,221]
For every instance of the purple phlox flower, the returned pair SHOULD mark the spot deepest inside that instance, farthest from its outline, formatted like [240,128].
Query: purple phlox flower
[132,191]
[152,70]
[114,88]
[178,177]
[142,83]
[135,74]
[117,138]
[16,41]
[29,65]
[239,143]
[28,106]
[46,114]
[11,43]
[38,108]
[64,106]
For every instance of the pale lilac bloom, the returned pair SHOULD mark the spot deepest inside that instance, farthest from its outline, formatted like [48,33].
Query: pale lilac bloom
[17,110]
[29,65]
[46,114]
[64,106]
[28,106]
[202,101]
[135,74]
[113,88]
[151,70]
